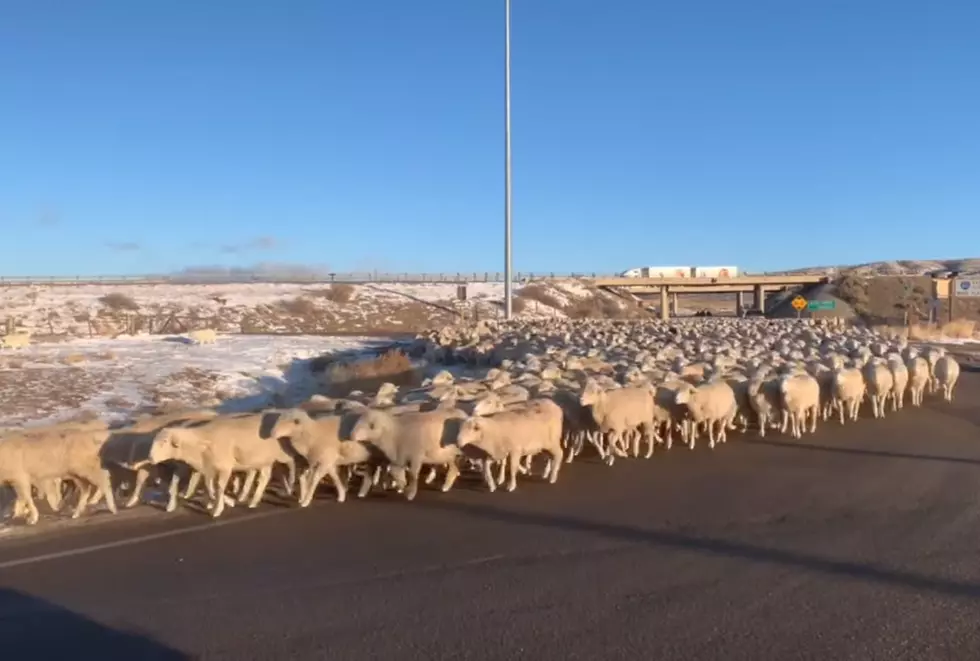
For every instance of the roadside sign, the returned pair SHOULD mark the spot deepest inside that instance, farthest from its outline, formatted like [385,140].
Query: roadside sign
[967,286]
[799,303]
[821,305]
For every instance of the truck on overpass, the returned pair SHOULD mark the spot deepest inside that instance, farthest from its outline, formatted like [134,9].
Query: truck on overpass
[681,272]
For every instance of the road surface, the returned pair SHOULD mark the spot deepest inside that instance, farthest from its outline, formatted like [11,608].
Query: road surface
[854,543]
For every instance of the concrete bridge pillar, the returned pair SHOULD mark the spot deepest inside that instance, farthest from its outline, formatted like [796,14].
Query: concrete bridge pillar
[760,298]
[673,304]
[664,304]
[740,303]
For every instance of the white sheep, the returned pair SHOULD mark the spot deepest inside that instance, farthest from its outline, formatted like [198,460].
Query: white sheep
[129,448]
[203,336]
[765,399]
[216,448]
[711,404]
[800,394]
[413,440]
[920,374]
[619,411]
[849,391]
[318,440]
[30,458]
[946,372]
[879,383]
[15,340]
[523,431]
[900,381]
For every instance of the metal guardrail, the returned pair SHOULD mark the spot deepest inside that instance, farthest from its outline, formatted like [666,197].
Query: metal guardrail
[324,278]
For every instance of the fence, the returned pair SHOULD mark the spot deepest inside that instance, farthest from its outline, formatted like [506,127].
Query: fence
[320,278]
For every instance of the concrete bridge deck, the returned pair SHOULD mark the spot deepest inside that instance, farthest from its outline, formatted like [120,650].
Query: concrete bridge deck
[669,288]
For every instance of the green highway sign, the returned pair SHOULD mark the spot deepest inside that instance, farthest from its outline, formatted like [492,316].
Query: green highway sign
[821,305]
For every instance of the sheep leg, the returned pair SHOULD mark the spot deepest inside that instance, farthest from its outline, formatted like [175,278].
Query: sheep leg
[556,455]
[83,496]
[265,474]
[488,476]
[95,496]
[142,474]
[302,479]
[192,483]
[574,447]
[315,474]
[502,472]
[19,509]
[617,444]
[711,434]
[514,460]
[412,490]
[52,494]
[367,481]
[595,440]
[172,491]
[339,484]
[246,488]
[432,475]
[217,487]
[452,472]
[22,487]
[103,483]
[289,479]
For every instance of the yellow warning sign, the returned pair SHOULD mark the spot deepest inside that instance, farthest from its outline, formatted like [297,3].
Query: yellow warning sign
[799,303]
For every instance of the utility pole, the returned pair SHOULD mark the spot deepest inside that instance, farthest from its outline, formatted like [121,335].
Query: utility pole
[508,275]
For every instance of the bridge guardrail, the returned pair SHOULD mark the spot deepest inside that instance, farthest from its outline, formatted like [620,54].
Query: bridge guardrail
[366,277]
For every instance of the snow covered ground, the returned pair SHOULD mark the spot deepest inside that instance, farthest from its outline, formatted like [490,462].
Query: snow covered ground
[105,310]
[113,378]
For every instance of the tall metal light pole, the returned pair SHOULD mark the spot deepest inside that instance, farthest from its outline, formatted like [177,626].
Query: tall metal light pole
[508,276]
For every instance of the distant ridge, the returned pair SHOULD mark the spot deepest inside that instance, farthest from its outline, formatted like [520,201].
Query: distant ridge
[908,267]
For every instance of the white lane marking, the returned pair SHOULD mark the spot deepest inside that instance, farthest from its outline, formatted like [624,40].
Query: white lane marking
[130,541]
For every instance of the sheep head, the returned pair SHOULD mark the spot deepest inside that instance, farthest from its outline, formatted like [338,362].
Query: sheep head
[591,394]
[371,426]
[289,423]
[470,431]
[167,445]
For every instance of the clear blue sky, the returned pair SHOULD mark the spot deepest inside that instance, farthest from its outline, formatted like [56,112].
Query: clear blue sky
[150,135]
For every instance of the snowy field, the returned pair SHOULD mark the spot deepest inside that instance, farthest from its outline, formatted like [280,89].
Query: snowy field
[114,378]
[275,307]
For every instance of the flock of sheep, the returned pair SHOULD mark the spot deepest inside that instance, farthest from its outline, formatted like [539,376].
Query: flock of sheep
[523,389]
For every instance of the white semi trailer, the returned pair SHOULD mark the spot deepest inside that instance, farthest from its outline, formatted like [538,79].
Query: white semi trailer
[681,272]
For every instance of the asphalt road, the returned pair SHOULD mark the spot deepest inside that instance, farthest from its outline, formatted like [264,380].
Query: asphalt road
[855,543]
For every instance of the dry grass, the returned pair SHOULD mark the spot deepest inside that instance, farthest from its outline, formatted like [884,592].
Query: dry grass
[339,292]
[539,293]
[119,302]
[392,366]
[298,307]
[518,304]
[74,359]
[958,329]
[596,307]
